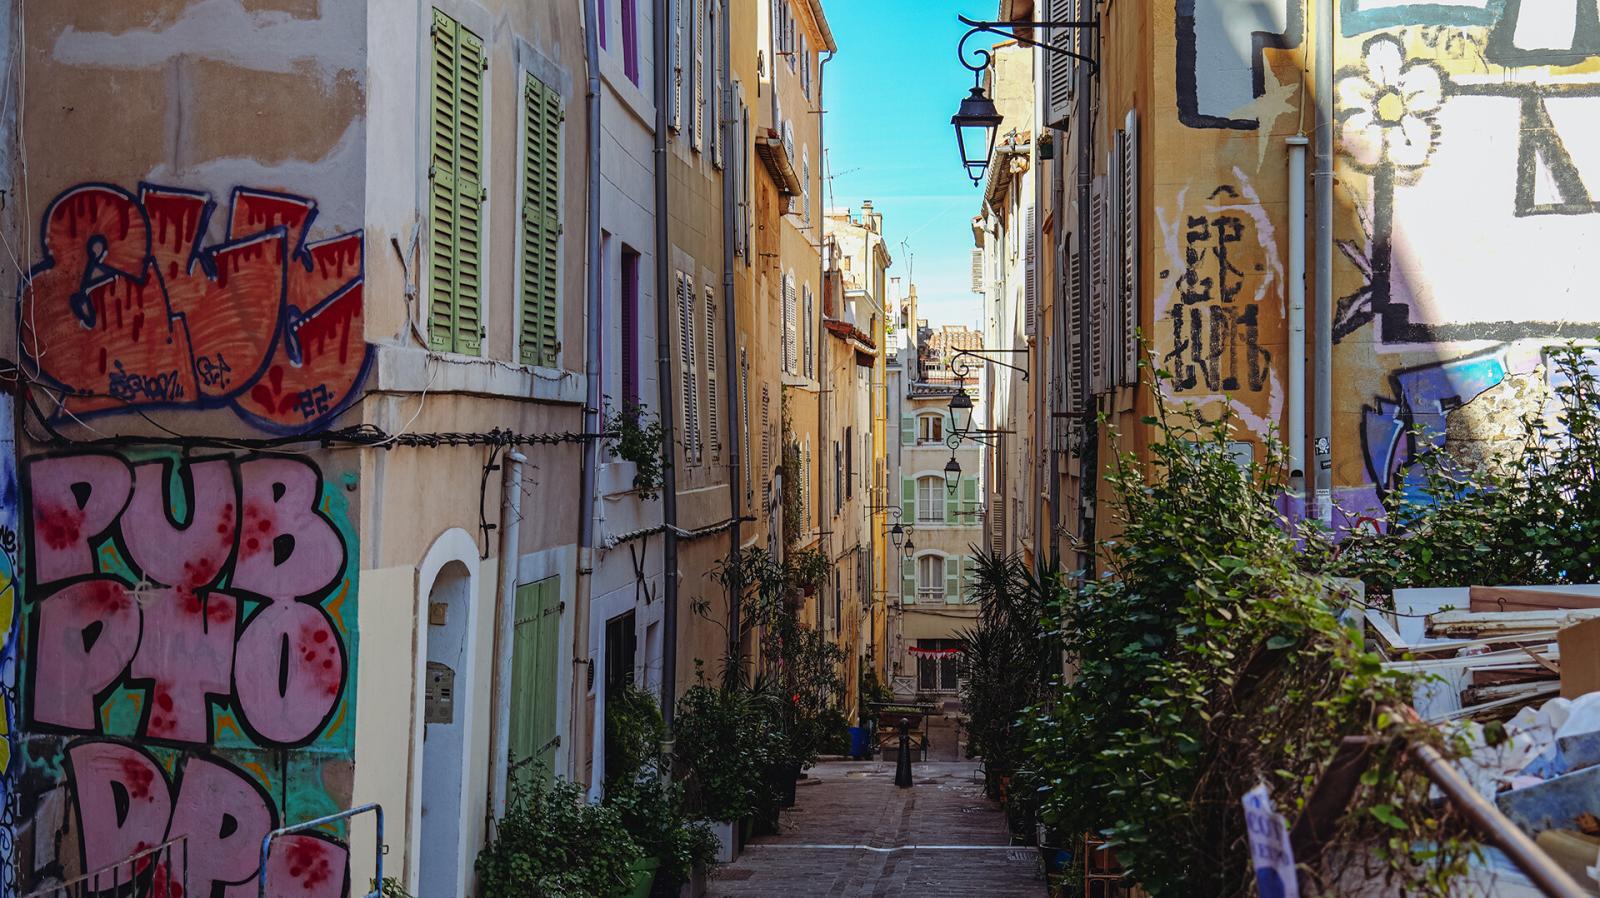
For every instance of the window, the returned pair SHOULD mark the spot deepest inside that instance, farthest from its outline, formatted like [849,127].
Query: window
[930,429]
[744,417]
[938,673]
[838,476]
[713,75]
[600,14]
[697,75]
[678,49]
[630,39]
[630,325]
[930,578]
[930,499]
[805,68]
[849,462]
[539,334]
[808,350]
[455,173]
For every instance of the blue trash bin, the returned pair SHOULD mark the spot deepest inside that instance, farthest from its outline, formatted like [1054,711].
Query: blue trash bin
[858,742]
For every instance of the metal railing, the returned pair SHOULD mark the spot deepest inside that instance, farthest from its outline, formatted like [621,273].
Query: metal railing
[377,850]
[158,865]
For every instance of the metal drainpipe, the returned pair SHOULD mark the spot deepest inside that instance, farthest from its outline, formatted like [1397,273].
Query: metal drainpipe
[820,337]
[499,696]
[1088,462]
[593,366]
[1323,184]
[1297,313]
[664,381]
[731,137]
[1058,330]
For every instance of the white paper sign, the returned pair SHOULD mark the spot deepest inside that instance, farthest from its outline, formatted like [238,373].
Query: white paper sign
[1269,847]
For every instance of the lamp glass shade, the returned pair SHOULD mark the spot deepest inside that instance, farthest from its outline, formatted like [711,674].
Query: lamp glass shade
[897,535]
[911,548]
[961,413]
[976,123]
[952,475]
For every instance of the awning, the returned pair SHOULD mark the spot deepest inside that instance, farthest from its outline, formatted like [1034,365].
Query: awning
[776,158]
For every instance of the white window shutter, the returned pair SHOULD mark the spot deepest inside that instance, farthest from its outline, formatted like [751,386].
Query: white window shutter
[697,114]
[744,422]
[1059,66]
[1112,263]
[689,379]
[1075,313]
[977,271]
[1130,250]
[791,335]
[678,50]
[1030,266]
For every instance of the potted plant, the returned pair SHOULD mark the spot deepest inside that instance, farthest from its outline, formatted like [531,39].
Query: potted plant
[634,435]
[723,747]
[552,842]
[652,811]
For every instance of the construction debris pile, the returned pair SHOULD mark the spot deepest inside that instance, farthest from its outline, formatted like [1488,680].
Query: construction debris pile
[1515,673]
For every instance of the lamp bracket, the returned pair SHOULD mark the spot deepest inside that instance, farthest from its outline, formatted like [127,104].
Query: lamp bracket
[1008,29]
[961,369]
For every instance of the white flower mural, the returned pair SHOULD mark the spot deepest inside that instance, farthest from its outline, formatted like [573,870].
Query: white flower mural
[1387,106]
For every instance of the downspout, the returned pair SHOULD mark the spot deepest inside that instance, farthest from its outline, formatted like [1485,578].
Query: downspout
[504,610]
[1058,327]
[1323,185]
[594,350]
[665,382]
[1089,464]
[1297,314]
[824,359]
[731,138]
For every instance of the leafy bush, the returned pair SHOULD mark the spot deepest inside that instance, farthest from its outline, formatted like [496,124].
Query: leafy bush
[725,743]
[652,811]
[634,732]
[634,434]
[551,843]
[1209,661]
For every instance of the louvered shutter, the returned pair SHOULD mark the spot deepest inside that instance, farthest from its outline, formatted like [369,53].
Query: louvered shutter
[539,337]
[678,50]
[908,500]
[1075,360]
[1059,66]
[808,349]
[1030,266]
[977,271]
[908,430]
[805,485]
[790,325]
[456,193]
[952,579]
[997,524]
[1095,302]
[969,499]
[535,653]
[908,581]
[713,425]
[1114,202]
[717,66]
[1130,250]
[697,114]
[744,417]
[688,380]
[745,148]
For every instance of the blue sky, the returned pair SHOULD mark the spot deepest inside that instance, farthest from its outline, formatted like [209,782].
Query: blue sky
[890,93]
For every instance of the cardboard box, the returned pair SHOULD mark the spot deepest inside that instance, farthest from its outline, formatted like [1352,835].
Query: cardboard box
[1580,659]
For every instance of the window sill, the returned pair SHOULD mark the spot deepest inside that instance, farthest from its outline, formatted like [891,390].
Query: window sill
[408,369]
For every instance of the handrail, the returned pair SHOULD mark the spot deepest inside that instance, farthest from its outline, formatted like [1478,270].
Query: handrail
[93,878]
[377,852]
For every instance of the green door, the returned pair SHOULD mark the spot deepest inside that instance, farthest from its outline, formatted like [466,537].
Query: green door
[534,647]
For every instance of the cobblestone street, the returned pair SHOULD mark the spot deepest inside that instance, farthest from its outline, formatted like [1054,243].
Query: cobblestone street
[853,833]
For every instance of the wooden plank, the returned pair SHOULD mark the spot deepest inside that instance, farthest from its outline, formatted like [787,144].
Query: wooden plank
[1527,598]
[1581,644]
[1480,623]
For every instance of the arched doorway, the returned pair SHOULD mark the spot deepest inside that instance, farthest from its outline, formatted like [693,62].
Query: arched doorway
[445,729]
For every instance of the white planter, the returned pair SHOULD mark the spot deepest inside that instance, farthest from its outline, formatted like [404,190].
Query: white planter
[727,842]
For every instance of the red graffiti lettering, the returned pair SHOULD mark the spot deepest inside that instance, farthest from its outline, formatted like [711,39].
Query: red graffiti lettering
[130,308]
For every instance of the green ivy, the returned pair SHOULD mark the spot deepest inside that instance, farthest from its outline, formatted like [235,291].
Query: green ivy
[551,843]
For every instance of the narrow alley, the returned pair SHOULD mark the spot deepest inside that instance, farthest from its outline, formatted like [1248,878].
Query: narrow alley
[852,832]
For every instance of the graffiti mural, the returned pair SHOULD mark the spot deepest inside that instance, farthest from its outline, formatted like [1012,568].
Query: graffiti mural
[131,308]
[190,633]
[1221,311]
[9,506]
[1222,68]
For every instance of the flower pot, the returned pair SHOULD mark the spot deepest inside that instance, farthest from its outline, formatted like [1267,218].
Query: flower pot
[728,839]
[643,872]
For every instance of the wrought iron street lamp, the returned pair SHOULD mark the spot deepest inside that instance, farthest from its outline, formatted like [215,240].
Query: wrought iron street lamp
[897,535]
[977,121]
[952,474]
[961,412]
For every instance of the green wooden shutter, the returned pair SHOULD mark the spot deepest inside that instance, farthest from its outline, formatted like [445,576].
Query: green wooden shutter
[908,581]
[908,500]
[952,579]
[969,499]
[456,203]
[441,173]
[539,340]
[535,641]
[969,568]
[908,430]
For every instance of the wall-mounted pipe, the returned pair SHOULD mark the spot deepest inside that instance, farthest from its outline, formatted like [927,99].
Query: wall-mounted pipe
[665,382]
[1323,184]
[733,142]
[504,614]
[1296,435]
